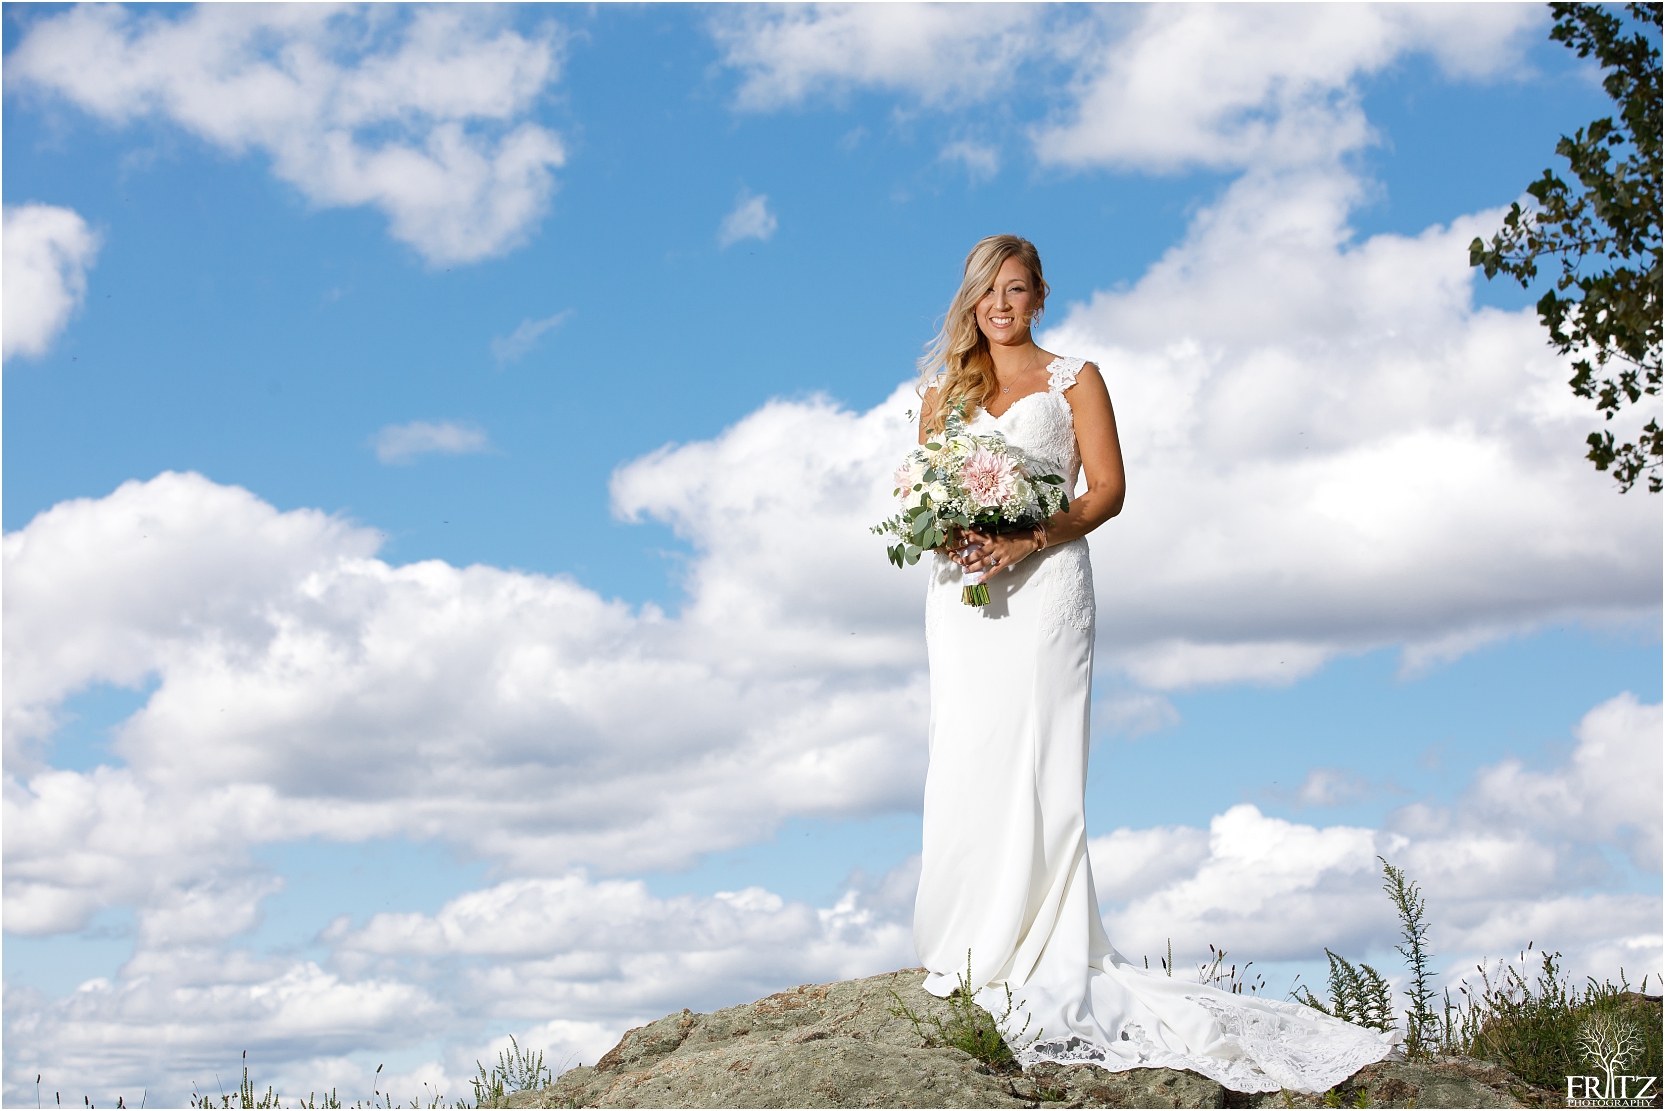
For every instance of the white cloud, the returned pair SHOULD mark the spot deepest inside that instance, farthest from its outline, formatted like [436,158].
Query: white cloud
[1330,448]
[1609,790]
[48,251]
[980,160]
[1133,713]
[402,443]
[751,219]
[602,955]
[1160,88]
[506,349]
[422,118]
[305,688]
[1238,84]
[1331,787]
[1513,861]
[938,52]
[298,676]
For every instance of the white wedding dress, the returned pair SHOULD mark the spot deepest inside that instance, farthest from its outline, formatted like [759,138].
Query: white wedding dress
[1004,872]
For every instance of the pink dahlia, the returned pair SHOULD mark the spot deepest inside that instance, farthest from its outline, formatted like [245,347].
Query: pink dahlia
[987,477]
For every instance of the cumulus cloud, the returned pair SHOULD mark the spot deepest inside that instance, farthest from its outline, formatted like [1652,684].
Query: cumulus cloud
[601,956]
[506,349]
[1331,787]
[1235,84]
[1173,86]
[938,52]
[567,962]
[1330,445]
[1514,860]
[980,160]
[423,118]
[1609,790]
[305,688]
[302,673]
[48,251]
[402,443]
[750,219]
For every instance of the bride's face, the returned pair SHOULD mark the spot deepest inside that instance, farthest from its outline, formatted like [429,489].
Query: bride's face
[1003,313]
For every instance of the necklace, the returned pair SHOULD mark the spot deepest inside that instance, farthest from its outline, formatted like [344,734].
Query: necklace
[1026,370]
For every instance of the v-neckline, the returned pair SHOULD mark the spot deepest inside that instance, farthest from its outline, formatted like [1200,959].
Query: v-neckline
[1033,393]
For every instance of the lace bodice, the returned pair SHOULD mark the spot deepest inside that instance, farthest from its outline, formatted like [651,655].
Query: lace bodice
[1042,424]
[1059,579]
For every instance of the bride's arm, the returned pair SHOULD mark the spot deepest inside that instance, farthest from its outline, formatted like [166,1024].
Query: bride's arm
[1101,462]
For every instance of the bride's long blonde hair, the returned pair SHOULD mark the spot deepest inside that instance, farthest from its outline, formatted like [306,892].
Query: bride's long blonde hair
[957,361]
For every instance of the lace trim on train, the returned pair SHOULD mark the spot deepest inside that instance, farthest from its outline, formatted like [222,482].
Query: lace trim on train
[1301,1051]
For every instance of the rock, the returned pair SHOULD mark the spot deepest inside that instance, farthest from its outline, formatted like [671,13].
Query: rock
[840,1045]
[1433,1082]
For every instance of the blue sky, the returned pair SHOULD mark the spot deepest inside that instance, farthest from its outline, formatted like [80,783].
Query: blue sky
[1395,626]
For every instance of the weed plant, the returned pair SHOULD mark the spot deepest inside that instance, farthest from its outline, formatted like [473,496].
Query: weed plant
[1413,928]
[1216,973]
[1546,1028]
[246,1097]
[1541,1027]
[516,1071]
[1357,994]
[966,1026]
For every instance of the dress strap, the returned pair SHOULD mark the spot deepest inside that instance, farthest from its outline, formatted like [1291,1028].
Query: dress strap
[1064,372]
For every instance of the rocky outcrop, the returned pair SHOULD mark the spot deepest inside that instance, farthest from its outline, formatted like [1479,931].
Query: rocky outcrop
[843,1045]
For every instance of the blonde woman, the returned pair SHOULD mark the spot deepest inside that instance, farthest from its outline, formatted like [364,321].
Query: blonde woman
[1004,873]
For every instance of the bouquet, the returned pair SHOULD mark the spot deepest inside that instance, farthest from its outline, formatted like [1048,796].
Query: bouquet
[967,480]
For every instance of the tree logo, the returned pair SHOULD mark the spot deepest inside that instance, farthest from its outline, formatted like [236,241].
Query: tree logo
[1610,1041]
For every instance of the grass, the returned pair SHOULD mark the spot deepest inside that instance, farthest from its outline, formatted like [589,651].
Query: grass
[1544,1028]
[516,1070]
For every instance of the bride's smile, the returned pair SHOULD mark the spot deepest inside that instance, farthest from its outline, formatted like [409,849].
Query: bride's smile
[1006,311]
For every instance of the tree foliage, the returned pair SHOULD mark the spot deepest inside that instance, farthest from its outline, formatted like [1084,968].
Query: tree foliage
[1605,234]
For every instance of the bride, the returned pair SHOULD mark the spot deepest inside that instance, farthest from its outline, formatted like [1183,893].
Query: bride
[1004,871]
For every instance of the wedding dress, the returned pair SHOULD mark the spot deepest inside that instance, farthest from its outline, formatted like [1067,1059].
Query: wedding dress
[1004,872]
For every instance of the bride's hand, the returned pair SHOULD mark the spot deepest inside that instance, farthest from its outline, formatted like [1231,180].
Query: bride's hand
[952,544]
[990,555]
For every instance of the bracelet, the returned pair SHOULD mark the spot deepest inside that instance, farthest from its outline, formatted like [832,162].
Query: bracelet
[1041,538]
